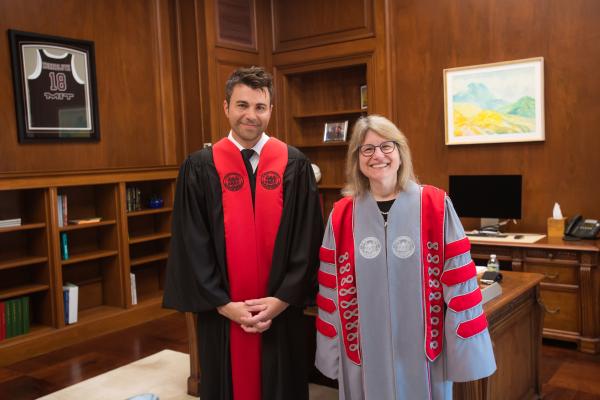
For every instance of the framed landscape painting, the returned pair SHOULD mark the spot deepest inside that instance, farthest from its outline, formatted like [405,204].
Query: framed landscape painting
[495,103]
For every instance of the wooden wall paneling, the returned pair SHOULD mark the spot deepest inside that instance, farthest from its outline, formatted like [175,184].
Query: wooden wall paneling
[565,167]
[314,23]
[133,76]
[327,52]
[236,24]
[221,62]
[193,78]
[379,92]
[165,80]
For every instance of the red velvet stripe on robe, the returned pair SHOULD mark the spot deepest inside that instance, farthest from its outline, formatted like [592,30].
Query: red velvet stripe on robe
[249,237]
[472,327]
[458,275]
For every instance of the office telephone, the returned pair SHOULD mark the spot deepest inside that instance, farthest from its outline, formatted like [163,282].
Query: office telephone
[580,228]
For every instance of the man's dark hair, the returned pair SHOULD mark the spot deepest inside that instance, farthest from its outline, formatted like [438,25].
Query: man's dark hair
[254,77]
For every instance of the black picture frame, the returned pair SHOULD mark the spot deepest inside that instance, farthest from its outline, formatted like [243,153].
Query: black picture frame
[54,80]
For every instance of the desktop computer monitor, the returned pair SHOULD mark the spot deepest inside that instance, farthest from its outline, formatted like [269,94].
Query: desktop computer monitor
[492,197]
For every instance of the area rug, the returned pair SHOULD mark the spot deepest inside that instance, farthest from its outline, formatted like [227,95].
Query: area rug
[163,374]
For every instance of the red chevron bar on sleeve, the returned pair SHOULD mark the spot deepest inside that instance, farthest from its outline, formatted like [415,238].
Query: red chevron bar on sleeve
[472,327]
[455,248]
[465,301]
[327,280]
[327,255]
[459,275]
[325,303]
[325,328]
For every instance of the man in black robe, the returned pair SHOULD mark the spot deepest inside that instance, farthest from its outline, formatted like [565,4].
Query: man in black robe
[200,274]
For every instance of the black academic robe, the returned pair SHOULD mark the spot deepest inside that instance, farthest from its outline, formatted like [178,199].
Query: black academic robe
[196,277]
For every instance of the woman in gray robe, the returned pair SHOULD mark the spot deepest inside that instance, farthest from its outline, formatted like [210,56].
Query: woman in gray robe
[400,312]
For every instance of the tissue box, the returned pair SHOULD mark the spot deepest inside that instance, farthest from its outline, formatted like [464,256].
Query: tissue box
[556,227]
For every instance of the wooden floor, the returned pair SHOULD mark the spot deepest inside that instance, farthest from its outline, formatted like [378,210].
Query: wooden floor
[566,374]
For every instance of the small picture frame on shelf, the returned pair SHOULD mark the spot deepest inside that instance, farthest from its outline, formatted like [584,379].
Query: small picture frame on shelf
[335,131]
[363,97]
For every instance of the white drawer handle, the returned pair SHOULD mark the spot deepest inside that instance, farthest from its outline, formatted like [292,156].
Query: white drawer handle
[554,276]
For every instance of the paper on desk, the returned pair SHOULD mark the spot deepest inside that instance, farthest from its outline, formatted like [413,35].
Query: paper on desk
[556,212]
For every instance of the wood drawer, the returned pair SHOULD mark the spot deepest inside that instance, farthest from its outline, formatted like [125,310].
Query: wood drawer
[554,273]
[561,310]
[549,254]
[485,251]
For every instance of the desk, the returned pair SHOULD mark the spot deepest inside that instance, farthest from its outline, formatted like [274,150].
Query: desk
[570,290]
[515,321]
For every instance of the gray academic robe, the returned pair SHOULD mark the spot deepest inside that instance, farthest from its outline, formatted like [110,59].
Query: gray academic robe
[393,364]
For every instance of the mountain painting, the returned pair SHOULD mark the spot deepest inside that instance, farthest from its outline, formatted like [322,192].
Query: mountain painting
[493,103]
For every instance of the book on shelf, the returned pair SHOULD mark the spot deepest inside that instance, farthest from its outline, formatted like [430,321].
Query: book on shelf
[14,317]
[83,221]
[134,299]
[70,297]
[25,313]
[60,210]
[11,319]
[66,305]
[65,214]
[6,223]
[7,319]
[134,199]
[64,246]
[18,317]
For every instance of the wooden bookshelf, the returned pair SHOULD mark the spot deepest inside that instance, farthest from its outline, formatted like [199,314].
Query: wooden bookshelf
[149,237]
[18,291]
[149,211]
[329,113]
[73,227]
[25,269]
[99,263]
[96,312]
[149,259]
[89,256]
[21,262]
[318,93]
[39,225]
[147,233]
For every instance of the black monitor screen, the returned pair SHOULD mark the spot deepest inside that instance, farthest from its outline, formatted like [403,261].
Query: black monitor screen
[486,196]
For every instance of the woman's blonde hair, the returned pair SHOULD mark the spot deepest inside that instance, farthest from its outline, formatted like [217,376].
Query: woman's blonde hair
[358,184]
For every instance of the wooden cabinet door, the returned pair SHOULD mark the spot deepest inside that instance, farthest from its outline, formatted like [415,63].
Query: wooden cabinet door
[561,310]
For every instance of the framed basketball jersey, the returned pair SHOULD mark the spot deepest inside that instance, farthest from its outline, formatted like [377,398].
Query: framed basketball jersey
[55,88]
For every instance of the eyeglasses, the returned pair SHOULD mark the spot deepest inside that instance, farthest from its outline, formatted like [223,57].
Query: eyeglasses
[368,150]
